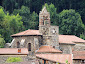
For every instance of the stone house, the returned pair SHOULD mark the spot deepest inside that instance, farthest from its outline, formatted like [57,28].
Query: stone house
[47,46]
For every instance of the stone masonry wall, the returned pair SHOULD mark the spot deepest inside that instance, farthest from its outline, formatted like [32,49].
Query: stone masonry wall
[66,49]
[50,35]
[79,47]
[35,41]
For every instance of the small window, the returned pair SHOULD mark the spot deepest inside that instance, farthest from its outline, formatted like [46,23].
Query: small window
[29,46]
[53,46]
[18,45]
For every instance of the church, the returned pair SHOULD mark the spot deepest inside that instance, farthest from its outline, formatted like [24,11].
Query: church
[46,45]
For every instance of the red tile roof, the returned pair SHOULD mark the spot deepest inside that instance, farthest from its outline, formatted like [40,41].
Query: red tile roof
[70,39]
[61,58]
[78,54]
[13,51]
[47,48]
[27,32]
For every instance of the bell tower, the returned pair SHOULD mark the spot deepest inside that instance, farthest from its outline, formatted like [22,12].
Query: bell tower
[44,21]
[50,33]
[44,17]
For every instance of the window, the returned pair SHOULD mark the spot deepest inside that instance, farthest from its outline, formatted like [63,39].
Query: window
[29,46]
[18,45]
[82,61]
[53,46]
[44,61]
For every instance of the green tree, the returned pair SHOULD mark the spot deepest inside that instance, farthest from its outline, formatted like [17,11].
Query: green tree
[2,42]
[12,24]
[34,20]
[9,24]
[30,21]
[70,22]
[82,36]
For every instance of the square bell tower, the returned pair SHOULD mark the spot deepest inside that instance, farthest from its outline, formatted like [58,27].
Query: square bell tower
[50,33]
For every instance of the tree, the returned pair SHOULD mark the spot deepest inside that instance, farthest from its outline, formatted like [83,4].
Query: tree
[34,21]
[12,24]
[2,42]
[30,21]
[9,24]
[70,22]
[82,36]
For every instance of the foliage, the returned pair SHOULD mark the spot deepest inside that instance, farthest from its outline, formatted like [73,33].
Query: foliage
[82,36]
[67,62]
[13,59]
[33,21]
[25,13]
[70,22]
[9,24]
[2,42]
[30,21]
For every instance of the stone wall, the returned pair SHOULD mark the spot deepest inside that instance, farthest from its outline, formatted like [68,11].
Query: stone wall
[79,47]
[36,42]
[66,48]
[50,35]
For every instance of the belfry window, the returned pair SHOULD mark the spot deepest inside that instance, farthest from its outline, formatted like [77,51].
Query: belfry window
[18,45]
[29,46]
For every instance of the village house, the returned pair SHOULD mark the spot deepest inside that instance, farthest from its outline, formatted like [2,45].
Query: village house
[46,45]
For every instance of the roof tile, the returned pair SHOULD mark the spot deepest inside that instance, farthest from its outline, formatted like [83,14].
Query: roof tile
[78,54]
[27,32]
[61,58]
[46,48]
[13,51]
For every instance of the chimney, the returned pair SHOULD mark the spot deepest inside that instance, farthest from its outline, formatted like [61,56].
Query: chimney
[19,50]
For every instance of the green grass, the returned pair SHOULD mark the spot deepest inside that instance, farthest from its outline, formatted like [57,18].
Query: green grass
[13,59]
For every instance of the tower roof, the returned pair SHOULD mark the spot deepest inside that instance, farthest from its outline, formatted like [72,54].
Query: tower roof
[47,48]
[44,10]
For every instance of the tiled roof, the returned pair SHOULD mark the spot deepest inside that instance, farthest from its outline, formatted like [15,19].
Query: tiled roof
[61,58]
[78,54]
[47,48]
[27,32]
[70,39]
[13,51]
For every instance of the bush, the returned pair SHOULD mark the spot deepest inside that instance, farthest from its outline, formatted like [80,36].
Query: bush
[13,59]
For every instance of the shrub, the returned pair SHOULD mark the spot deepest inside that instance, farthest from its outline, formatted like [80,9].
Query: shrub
[13,59]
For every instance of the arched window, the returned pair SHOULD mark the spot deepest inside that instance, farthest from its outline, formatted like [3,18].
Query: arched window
[18,45]
[29,46]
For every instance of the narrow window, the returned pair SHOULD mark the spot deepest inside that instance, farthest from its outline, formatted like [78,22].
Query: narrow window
[44,61]
[18,45]
[29,46]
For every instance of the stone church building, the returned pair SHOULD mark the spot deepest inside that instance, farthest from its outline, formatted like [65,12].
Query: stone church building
[47,46]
